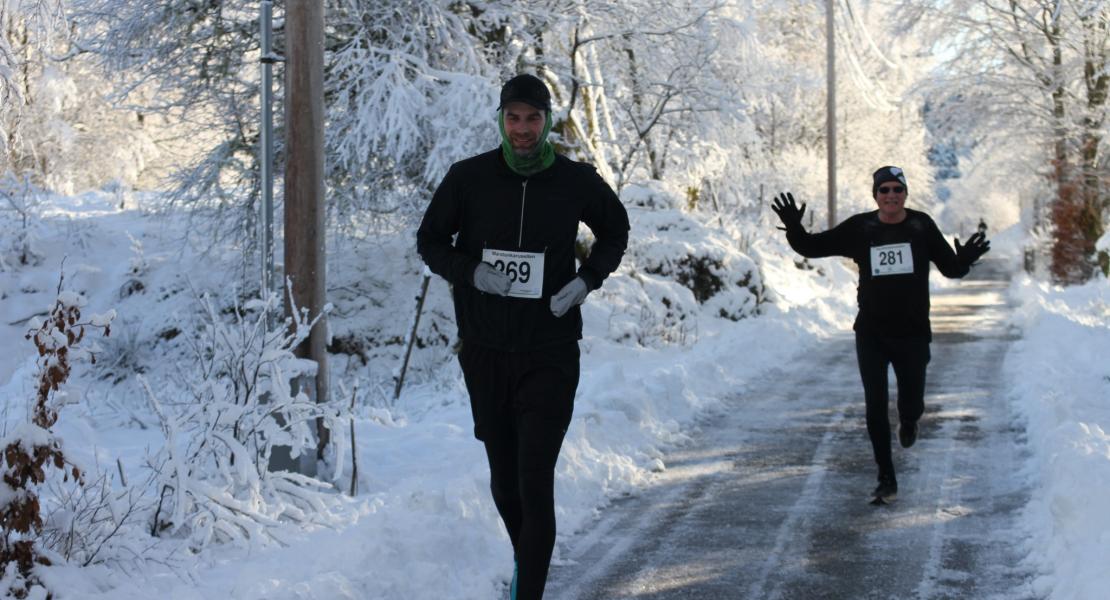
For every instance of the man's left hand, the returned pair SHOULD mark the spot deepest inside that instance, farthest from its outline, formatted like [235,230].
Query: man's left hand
[572,294]
[976,246]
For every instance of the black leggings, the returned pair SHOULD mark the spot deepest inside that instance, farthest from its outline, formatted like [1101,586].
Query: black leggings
[909,356]
[522,405]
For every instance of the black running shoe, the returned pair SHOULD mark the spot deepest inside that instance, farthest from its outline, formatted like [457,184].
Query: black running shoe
[907,433]
[887,489]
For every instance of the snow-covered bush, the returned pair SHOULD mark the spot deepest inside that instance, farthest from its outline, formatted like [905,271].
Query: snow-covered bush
[648,310]
[139,266]
[213,473]
[709,261]
[19,199]
[124,354]
[32,447]
[97,522]
[676,271]
[375,288]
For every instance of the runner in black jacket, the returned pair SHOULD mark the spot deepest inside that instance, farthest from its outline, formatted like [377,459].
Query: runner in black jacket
[892,247]
[501,228]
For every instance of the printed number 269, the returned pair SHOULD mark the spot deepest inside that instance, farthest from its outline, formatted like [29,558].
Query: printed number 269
[521,271]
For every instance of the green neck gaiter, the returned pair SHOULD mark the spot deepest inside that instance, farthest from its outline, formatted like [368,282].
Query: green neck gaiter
[539,160]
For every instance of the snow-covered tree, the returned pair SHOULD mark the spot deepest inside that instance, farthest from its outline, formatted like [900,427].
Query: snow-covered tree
[410,89]
[193,66]
[1032,73]
[57,127]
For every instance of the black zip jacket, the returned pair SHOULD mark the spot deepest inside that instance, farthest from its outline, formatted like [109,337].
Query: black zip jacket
[489,206]
[894,304]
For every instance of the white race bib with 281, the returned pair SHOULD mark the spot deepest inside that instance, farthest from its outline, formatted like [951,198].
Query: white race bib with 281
[891,259]
[525,270]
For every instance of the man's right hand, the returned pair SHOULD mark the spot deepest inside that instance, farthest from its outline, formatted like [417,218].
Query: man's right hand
[490,280]
[788,211]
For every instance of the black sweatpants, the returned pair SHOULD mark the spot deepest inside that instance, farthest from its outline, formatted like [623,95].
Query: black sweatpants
[522,404]
[909,356]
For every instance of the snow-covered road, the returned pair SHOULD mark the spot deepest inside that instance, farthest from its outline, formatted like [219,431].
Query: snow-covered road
[770,501]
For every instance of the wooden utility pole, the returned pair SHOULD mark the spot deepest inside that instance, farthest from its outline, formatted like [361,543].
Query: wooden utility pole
[830,108]
[304,180]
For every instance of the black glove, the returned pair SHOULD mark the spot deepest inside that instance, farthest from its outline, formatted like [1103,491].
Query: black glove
[788,212]
[976,246]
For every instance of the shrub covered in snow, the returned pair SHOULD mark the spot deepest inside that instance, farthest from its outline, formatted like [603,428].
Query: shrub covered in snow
[213,473]
[683,268]
[33,448]
[19,199]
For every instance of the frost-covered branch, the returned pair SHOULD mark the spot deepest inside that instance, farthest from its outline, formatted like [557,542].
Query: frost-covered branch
[214,468]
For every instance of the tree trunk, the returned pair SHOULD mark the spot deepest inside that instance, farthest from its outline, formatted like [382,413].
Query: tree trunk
[1097,81]
[1068,256]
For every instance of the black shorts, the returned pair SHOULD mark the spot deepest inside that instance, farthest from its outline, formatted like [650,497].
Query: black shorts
[505,385]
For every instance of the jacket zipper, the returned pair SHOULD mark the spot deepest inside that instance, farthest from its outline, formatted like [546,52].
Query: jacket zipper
[523,196]
[519,244]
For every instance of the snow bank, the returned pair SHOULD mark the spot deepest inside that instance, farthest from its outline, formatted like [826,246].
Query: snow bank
[1060,381]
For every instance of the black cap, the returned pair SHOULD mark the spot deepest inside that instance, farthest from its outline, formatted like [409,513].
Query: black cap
[528,89]
[885,174]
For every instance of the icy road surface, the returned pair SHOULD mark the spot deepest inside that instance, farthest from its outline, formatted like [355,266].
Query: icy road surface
[770,501]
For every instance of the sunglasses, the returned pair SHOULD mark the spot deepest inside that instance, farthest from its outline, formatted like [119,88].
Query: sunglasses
[887,189]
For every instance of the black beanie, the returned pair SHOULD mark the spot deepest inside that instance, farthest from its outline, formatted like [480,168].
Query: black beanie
[885,174]
[528,89]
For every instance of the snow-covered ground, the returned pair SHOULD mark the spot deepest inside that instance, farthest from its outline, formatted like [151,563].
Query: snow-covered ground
[423,524]
[1060,379]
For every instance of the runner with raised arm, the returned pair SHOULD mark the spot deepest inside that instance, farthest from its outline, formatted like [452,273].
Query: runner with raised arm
[893,247]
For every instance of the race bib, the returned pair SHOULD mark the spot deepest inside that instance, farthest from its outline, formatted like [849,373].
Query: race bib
[892,259]
[525,270]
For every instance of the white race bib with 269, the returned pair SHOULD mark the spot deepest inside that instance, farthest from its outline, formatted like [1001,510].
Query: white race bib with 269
[892,259]
[525,270]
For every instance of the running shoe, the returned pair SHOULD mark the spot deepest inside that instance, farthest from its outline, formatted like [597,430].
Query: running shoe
[886,491]
[907,433]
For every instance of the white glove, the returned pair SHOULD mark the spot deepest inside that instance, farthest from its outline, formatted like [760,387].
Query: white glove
[572,294]
[490,280]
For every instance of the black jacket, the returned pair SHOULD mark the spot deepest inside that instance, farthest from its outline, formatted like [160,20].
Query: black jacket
[490,206]
[892,304]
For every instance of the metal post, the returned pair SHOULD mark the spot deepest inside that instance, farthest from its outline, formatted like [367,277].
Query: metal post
[830,108]
[281,456]
[266,143]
